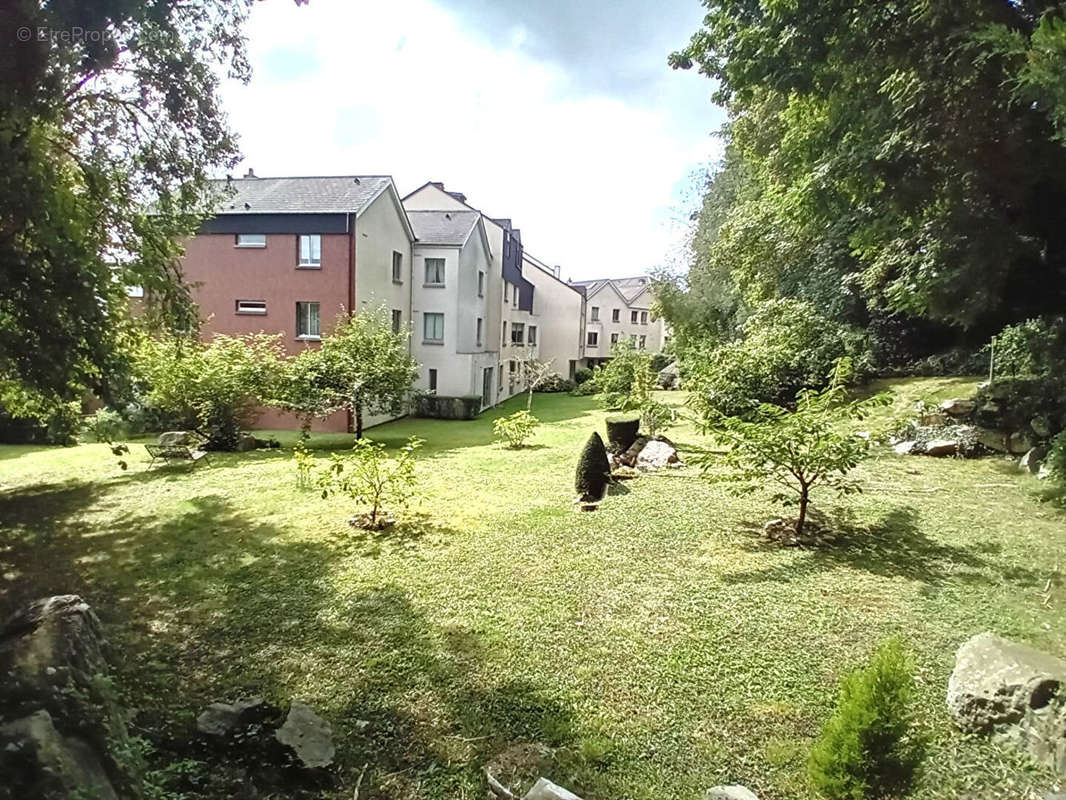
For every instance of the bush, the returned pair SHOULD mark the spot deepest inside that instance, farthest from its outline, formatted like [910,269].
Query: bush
[29,418]
[515,428]
[785,346]
[304,463]
[1010,404]
[583,375]
[656,417]
[1036,347]
[585,389]
[626,380]
[369,477]
[622,431]
[660,361]
[868,747]
[1056,458]
[555,383]
[106,426]
[593,471]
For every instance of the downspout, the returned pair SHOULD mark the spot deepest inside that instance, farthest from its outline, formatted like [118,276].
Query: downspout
[351,289]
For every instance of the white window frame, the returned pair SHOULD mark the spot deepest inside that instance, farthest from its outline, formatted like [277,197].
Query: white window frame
[595,313]
[311,256]
[643,317]
[614,338]
[518,328]
[531,335]
[427,316]
[258,307]
[431,379]
[240,240]
[592,339]
[309,336]
[632,317]
[397,266]
[443,266]
[643,343]
[397,320]
[616,315]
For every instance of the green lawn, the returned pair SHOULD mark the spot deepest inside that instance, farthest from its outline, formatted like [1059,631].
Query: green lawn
[651,649]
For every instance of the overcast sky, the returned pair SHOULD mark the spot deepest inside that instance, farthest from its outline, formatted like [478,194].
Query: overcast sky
[561,114]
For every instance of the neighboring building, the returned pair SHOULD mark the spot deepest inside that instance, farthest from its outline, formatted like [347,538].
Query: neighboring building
[619,309]
[289,254]
[560,313]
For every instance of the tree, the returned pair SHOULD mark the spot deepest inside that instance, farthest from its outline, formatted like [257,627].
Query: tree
[370,477]
[796,450]
[516,428]
[626,380]
[535,372]
[216,386]
[107,107]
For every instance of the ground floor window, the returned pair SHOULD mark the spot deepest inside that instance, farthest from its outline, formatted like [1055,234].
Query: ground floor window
[593,339]
[308,321]
[432,380]
[433,327]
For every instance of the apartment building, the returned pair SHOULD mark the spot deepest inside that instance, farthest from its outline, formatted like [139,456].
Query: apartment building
[619,309]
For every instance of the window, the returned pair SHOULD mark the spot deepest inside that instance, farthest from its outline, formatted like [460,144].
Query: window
[308,322]
[310,251]
[514,298]
[433,327]
[505,333]
[251,240]
[480,284]
[397,266]
[434,272]
[518,331]
[251,307]
[595,313]
[532,337]
[397,320]
[432,380]
[506,292]
[633,339]
[633,317]
[593,339]
[512,366]
[614,338]
[499,385]
[616,315]
[480,324]
[643,317]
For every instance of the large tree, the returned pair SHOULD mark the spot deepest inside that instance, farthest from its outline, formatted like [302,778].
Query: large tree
[107,108]
[901,156]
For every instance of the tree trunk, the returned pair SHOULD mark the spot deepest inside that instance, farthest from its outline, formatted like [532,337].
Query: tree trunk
[529,400]
[358,420]
[804,500]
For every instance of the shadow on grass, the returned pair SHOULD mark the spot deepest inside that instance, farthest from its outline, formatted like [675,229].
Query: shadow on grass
[895,546]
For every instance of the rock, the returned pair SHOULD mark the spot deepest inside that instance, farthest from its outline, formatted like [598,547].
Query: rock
[544,789]
[1041,427]
[942,447]
[308,736]
[1019,443]
[222,719]
[246,443]
[906,448]
[629,457]
[1014,692]
[657,454]
[64,733]
[669,376]
[934,418]
[178,439]
[1033,459]
[993,440]
[957,407]
[735,792]
[1043,473]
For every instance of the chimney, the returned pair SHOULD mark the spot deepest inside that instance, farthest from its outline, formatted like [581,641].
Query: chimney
[558,270]
[250,173]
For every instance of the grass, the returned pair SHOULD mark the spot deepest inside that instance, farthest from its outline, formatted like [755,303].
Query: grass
[651,649]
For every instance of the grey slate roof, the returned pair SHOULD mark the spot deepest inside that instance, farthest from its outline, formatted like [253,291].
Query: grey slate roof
[305,195]
[629,288]
[443,227]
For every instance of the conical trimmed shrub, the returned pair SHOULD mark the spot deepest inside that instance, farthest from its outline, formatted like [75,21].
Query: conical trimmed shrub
[593,470]
[622,430]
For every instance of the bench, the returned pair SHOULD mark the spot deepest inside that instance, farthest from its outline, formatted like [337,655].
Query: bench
[170,453]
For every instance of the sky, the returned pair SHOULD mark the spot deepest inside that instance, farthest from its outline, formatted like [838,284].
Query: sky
[560,114]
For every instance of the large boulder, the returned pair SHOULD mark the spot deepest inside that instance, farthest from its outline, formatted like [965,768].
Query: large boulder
[62,731]
[734,792]
[657,454]
[246,443]
[544,789]
[1020,442]
[1013,692]
[1033,459]
[178,439]
[224,719]
[308,736]
[942,447]
[958,407]
[993,440]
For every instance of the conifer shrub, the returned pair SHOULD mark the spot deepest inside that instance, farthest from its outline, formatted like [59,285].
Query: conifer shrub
[593,470]
[868,747]
[622,430]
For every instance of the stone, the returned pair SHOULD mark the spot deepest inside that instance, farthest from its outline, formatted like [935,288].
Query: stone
[222,719]
[1013,692]
[178,439]
[64,733]
[246,443]
[1041,427]
[735,792]
[993,440]
[308,736]
[544,789]
[657,454]
[942,447]
[906,448]
[957,407]
[1019,443]
[629,457]
[933,418]
[1033,459]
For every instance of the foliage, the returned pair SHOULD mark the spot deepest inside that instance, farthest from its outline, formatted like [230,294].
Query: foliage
[868,747]
[593,471]
[660,361]
[796,450]
[304,462]
[1056,458]
[30,416]
[556,383]
[785,346]
[218,384]
[369,477]
[1033,348]
[582,375]
[120,114]
[362,366]
[1012,403]
[515,428]
[622,431]
[656,417]
[535,373]
[626,380]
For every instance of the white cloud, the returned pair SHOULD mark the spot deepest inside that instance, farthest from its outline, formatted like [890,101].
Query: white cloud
[400,88]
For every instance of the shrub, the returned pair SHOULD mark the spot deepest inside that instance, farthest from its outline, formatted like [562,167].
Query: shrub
[582,375]
[656,417]
[585,389]
[556,383]
[1012,403]
[785,346]
[622,431]
[304,463]
[1056,458]
[1036,347]
[369,477]
[626,380]
[106,426]
[660,361]
[593,470]
[28,417]
[868,747]
[515,428]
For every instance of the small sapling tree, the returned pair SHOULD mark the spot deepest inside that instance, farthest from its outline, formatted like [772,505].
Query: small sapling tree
[515,428]
[796,450]
[370,477]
